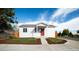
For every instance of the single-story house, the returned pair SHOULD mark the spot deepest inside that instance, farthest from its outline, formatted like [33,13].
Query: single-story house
[36,30]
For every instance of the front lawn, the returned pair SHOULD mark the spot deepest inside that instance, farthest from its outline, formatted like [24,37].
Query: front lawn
[55,41]
[21,41]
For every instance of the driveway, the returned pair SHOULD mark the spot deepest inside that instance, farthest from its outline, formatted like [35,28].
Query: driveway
[69,46]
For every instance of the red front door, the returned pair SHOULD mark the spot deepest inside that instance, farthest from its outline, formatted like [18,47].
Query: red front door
[42,33]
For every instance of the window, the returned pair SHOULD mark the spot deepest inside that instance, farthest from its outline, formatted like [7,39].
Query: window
[24,29]
[35,29]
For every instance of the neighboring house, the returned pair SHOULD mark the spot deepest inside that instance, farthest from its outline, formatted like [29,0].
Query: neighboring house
[36,30]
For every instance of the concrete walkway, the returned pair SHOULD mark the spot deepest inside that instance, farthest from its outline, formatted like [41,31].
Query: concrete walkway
[43,41]
[69,46]
[45,45]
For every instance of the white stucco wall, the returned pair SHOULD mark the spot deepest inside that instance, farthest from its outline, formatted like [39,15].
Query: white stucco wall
[37,35]
[24,34]
[50,32]
[29,33]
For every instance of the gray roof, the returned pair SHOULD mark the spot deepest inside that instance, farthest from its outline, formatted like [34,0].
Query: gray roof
[33,25]
[27,25]
[50,26]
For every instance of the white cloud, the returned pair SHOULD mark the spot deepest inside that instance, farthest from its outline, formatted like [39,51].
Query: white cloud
[72,25]
[62,12]
[42,17]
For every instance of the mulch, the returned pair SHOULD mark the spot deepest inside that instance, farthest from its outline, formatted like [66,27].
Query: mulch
[51,42]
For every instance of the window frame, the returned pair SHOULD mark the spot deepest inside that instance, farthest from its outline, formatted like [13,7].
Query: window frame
[24,29]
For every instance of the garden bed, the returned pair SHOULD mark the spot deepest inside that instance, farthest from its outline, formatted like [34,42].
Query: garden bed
[55,41]
[21,41]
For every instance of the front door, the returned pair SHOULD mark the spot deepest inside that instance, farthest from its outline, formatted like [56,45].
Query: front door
[42,31]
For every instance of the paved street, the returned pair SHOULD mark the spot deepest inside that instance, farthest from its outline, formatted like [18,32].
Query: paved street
[69,46]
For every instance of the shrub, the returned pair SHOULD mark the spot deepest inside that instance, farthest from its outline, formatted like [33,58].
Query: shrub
[12,37]
[70,34]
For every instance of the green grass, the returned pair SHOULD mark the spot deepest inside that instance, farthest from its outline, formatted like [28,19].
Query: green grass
[22,41]
[55,41]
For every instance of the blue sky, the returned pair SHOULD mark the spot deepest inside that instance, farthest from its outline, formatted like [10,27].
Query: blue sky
[32,14]
[28,14]
[62,18]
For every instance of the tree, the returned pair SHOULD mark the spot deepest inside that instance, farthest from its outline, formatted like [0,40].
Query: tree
[77,31]
[59,34]
[70,34]
[65,32]
[7,17]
